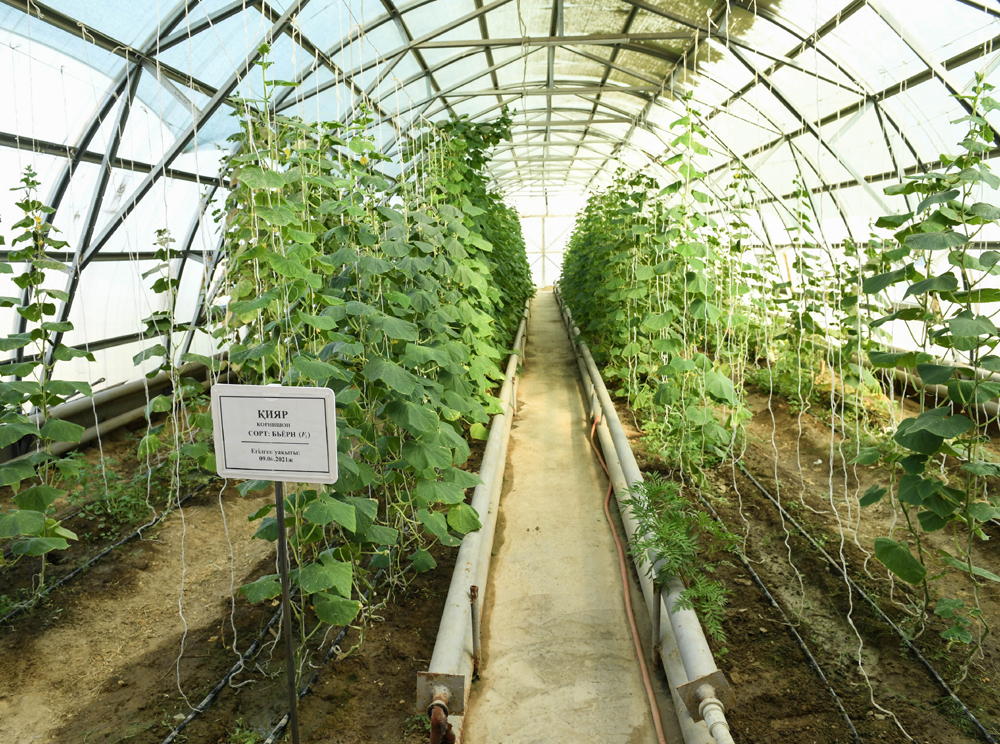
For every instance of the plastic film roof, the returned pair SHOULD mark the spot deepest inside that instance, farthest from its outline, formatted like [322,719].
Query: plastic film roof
[123,108]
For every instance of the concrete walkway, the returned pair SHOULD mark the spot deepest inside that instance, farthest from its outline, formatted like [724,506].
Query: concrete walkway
[560,667]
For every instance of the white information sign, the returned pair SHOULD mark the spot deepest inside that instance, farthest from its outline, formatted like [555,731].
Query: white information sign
[268,432]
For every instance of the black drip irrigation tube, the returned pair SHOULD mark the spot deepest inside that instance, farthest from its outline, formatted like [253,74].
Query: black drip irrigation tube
[878,610]
[75,572]
[210,698]
[236,668]
[279,728]
[790,627]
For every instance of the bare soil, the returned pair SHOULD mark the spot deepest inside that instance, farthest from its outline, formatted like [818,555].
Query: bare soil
[800,460]
[125,649]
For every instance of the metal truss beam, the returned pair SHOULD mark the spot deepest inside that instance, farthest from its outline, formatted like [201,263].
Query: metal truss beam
[71,26]
[96,201]
[77,156]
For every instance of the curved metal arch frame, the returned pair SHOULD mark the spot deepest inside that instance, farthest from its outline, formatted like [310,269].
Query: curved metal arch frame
[169,37]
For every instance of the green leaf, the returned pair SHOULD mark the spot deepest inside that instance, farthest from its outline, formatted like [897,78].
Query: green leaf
[463,518]
[970,326]
[935,374]
[395,377]
[36,546]
[480,432]
[873,495]
[875,284]
[266,587]
[423,561]
[913,489]
[313,369]
[12,432]
[463,478]
[381,535]
[720,387]
[259,302]
[940,198]
[931,522]
[279,216]
[982,469]
[898,559]
[334,610]
[432,492]
[256,178]
[962,566]
[984,211]
[921,441]
[327,573]
[867,456]
[21,522]
[15,471]
[325,510]
[435,523]
[157,350]
[935,241]
[979,510]
[888,359]
[322,322]
[395,328]
[944,283]
[65,353]
[61,431]
[38,498]
[938,421]
[422,455]
[414,418]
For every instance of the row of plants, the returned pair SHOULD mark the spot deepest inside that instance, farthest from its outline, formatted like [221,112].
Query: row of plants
[683,306]
[403,295]
[673,305]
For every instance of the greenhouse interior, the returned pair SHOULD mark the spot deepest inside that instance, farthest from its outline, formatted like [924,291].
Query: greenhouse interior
[499,371]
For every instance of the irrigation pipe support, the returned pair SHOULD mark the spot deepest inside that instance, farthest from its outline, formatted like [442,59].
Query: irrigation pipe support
[443,690]
[700,692]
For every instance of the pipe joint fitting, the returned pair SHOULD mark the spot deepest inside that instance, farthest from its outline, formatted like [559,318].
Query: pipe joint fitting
[714,715]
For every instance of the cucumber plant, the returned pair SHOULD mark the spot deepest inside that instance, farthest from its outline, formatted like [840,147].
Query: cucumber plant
[941,466]
[31,526]
[400,296]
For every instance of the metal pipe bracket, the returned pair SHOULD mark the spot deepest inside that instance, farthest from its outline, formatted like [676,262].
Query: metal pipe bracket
[717,680]
[431,687]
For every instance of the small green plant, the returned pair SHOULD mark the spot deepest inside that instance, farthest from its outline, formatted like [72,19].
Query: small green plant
[242,734]
[680,536]
[954,310]
[417,725]
[32,527]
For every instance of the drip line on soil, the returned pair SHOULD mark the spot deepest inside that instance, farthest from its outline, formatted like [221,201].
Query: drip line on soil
[214,693]
[72,574]
[70,514]
[878,610]
[790,627]
[279,728]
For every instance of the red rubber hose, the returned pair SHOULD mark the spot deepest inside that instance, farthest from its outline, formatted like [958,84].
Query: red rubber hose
[646,682]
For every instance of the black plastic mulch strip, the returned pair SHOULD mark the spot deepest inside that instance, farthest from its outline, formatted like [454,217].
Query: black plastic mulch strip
[878,610]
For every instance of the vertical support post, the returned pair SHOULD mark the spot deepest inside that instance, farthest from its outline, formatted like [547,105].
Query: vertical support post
[477,658]
[286,612]
[655,645]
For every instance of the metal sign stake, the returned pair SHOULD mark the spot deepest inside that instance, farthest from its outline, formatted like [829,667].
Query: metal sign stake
[286,613]
[283,435]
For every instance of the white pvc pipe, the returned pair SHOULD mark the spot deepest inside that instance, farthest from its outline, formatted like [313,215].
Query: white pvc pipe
[685,651]
[453,648]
